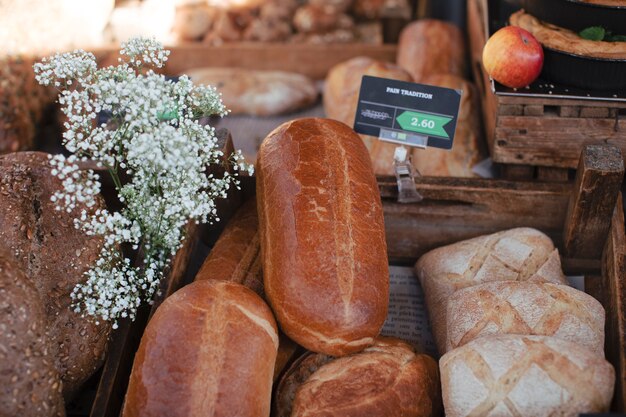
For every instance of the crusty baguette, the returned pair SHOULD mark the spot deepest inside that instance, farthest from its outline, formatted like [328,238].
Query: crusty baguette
[236,256]
[521,254]
[468,148]
[322,236]
[429,46]
[525,308]
[511,375]
[386,379]
[209,350]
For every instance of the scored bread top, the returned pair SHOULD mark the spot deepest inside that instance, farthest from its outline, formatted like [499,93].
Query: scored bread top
[526,308]
[208,350]
[322,236]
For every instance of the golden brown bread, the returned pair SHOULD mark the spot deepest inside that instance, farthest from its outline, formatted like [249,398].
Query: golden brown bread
[29,382]
[258,93]
[469,146]
[565,40]
[386,379]
[209,350]
[322,236]
[430,46]
[510,375]
[341,96]
[525,308]
[318,19]
[55,256]
[520,254]
[236,255]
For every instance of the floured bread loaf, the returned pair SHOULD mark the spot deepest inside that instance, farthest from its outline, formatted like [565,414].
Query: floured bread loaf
[323,245]
[510,375]
[525,308]
[521,254]
[258,93]
[386,379]
[209,350]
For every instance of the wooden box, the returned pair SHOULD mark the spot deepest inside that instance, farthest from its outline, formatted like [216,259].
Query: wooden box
[535,130]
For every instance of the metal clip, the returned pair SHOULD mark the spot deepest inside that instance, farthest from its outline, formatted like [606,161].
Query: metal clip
[405,175]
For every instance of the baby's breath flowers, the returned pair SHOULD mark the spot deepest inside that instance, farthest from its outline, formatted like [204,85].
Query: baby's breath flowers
[153,137]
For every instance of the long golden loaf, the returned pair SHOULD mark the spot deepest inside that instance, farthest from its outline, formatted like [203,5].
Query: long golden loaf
[322,236]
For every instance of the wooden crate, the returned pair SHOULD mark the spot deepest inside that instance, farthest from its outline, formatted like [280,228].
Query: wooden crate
[534,131]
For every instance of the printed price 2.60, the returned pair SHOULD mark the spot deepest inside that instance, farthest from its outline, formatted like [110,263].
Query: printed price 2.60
[423,123]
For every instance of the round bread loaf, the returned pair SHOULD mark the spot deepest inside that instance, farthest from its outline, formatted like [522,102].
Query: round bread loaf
[386,379]
[55,256]
[521,254]
[510,375]
[29,382]
[322,236]
[468,149]
[258,93]
[525,308]
[209,350]
[341,96]
[429,46]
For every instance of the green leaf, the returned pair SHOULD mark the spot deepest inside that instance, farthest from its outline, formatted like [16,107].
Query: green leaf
[616,38]
[593,33]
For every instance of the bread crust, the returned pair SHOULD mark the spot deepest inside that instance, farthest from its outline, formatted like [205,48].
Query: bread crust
[540,376]
[322,236]
[209,350]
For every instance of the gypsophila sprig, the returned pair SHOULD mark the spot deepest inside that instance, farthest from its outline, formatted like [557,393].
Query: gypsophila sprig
[153,137]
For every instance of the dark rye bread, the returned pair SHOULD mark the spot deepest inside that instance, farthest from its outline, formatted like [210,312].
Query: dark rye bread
[29,381]
[55,256]
[386,379]
[323,245]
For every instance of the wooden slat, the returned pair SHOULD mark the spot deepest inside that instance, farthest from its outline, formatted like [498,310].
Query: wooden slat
[610,290]
[550,174]
[598,181]
[457,209]
[502,99]
[309,59]
[517,172]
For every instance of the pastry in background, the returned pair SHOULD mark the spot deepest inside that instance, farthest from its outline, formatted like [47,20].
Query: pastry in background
[341,96]
[511,375]
[468,147]
[429,46]
[387,379]
[314,19]
[381,9]
[258,93]
[192,21]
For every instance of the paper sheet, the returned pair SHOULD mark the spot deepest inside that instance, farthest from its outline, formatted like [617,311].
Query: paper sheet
[407,318]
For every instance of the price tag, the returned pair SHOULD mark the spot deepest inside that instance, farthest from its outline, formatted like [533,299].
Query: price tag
[407,113]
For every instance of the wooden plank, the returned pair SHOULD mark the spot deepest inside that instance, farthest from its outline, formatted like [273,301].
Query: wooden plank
[312,60]
[610,290]
[598,180]
[517,172]
[569,111]
[457,209]
[511,110]
[595,112]
[551,101]
[551,174]
[533,110]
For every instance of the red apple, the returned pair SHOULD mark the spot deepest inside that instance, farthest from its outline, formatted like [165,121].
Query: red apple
[513,57]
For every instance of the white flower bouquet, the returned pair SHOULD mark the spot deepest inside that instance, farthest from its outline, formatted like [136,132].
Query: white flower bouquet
[154,139]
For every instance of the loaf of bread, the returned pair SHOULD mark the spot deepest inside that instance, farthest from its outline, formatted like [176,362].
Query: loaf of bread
[192,21]
[322,236]
[209,350]
[469,144]
[55,256]
[314,19]
[521,254]
[511,375]
[429,46]
[386,379]
[525,308]
[341,97]
[236,256]
[29,382]
[258,93]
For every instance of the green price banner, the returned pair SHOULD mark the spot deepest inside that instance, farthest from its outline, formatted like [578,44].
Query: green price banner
[424,123]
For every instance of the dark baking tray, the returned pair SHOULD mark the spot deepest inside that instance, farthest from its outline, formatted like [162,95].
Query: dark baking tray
[564,75]
[576,15]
